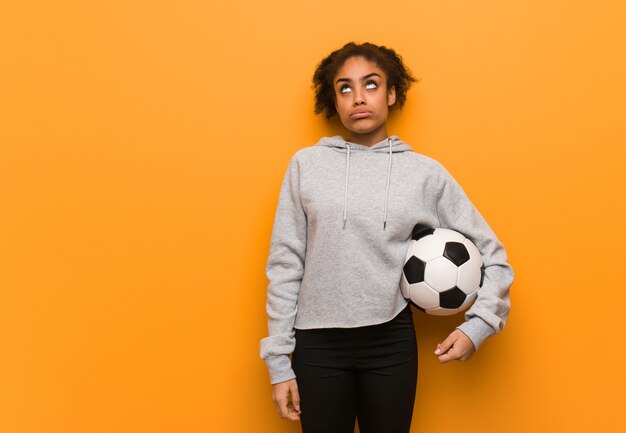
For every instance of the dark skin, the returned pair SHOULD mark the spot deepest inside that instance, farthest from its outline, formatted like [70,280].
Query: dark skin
[362,101]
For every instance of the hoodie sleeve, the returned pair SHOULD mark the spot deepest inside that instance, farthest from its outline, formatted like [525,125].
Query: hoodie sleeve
[489,313]
[285,268]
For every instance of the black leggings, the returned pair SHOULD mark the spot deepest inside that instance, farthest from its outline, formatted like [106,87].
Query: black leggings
[367,373]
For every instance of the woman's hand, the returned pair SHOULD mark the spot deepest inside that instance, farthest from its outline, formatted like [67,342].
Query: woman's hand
[456,346]
[287,399]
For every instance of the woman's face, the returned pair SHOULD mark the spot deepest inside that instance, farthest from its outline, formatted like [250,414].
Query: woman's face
[363,100]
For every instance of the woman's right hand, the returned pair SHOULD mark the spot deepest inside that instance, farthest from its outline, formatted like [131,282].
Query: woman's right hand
[287,399]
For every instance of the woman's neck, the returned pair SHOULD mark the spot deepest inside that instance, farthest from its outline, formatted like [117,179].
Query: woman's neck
[369,139]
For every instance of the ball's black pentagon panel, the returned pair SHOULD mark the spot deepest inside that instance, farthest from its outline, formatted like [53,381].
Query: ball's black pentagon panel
[421,230]
[456,253]
[414,270]
[452,298]
[482,275]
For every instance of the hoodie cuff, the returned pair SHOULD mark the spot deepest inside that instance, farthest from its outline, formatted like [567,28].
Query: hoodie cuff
[279,367]
[477,330]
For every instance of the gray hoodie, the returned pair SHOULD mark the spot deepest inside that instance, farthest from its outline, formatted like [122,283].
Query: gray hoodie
[341,232]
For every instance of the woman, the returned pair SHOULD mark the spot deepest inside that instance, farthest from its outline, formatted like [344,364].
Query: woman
[343,224]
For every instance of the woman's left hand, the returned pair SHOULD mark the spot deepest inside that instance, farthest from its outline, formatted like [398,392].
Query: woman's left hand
[457,346]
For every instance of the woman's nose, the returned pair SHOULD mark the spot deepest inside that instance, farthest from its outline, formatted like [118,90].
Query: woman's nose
[358,98]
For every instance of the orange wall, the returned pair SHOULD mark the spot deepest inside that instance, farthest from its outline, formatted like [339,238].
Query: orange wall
[142,148]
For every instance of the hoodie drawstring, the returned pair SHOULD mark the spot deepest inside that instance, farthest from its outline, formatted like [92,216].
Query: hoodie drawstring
[345,196]
[387,190]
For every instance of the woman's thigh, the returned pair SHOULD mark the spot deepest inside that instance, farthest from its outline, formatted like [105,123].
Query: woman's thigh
[368,372]
[385,398]
[326,382]
[387,377]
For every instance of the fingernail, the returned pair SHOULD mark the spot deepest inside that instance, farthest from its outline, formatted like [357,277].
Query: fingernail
[437,351]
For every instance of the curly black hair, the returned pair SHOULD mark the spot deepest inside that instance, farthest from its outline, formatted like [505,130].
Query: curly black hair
[385,58]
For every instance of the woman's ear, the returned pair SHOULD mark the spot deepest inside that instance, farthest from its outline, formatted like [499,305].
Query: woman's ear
[391,96]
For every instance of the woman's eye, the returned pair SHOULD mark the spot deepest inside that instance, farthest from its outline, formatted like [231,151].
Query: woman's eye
[371,85]
[344,89]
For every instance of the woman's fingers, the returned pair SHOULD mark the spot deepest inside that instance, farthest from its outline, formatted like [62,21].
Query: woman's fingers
[285,397]
[456,346]
[295,397]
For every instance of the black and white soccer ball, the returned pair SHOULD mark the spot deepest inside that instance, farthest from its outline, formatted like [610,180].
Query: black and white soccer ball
[443,271]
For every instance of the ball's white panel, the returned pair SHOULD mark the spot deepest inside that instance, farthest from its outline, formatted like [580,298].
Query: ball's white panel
[442,311]
[423,295]
[429,247]
[449,235]
[469,275]
[473,251]
[468,301]
[441,274]
[409,251]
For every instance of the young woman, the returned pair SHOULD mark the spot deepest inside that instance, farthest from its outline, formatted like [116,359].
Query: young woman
[343,224]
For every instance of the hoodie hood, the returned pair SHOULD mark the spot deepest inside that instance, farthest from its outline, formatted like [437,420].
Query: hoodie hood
[389,145]
[339,143]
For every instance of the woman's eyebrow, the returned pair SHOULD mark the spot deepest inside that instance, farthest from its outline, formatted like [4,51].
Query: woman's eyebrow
[373,74]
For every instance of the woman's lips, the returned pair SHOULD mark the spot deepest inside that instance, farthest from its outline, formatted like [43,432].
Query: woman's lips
[360,114]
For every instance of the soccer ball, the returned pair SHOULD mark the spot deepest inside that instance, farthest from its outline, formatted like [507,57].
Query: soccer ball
[442,272]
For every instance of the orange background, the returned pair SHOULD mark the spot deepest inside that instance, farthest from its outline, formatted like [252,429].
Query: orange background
[142,148]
